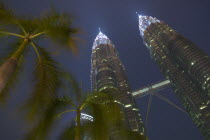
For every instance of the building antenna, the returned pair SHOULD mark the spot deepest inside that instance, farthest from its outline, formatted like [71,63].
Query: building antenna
[137,14]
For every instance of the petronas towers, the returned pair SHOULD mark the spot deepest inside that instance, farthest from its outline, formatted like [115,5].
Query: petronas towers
[184,64]
[180,61]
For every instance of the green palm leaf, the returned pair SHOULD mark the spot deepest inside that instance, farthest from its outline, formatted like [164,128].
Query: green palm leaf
[57,27]
[47,77]
[69,132]
[6,15]
[72,87]
[125,134]
[46,120]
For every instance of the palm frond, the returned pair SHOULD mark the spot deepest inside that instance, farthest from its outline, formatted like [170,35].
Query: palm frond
[68,100]
[59,28]
[66,111]
[125,134]
[8,19]
[46,120]
[28,25]
[72,86]
[6,15]
[2,34]
[69,132]
[107,114]
[105,123]
[100,127]
[47,78]
[96,98]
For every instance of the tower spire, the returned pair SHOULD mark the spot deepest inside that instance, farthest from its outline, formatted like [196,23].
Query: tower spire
[137,13]
[170,49]
[145,21]
[101,38]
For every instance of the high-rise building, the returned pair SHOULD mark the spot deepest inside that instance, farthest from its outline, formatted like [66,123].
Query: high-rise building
[108,73]
[184,64]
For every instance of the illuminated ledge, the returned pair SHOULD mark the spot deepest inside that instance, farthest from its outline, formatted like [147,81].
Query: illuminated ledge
[86,117]
[151,88]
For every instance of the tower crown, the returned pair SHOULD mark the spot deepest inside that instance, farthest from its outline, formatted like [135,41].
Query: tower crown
[145,21]
[101,38]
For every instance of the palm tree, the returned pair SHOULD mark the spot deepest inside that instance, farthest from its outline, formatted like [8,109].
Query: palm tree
[96,102]
[108,118]
[107,122]
[27,32]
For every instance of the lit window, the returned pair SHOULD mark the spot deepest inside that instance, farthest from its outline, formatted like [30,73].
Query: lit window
[163,57]
[103,60]
[118,102]
[202,107]
[128,105]
[135,109]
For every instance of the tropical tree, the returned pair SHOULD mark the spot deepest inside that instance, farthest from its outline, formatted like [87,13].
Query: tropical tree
[27,32]
[94,101]
[107,121]
[101,106]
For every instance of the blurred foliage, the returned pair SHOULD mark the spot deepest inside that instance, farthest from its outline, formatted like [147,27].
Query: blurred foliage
[108,120]
[27,32]
[48,79]
[45,106]
[4,57]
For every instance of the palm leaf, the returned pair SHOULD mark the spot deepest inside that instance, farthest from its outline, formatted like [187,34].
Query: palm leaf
[8,20]
[28,24]
[6,15]
[107,121]
[47,84]
[46,120]
[69,132]
[125,134]
[58,27]
[100,128]
[71,86]
[96,98]
[107,114]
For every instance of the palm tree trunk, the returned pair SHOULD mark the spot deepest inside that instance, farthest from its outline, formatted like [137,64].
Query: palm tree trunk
[78,128]
[8,68]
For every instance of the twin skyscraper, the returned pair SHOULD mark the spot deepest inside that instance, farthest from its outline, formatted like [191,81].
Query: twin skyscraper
[180,61]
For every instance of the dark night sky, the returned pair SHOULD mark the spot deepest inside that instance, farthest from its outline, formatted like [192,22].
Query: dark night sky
[119,22]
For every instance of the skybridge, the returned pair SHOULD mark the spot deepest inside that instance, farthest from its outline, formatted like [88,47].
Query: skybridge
[151,88]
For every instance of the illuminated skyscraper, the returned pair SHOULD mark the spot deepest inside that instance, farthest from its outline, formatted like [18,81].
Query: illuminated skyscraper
[108,73]
[184,64]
